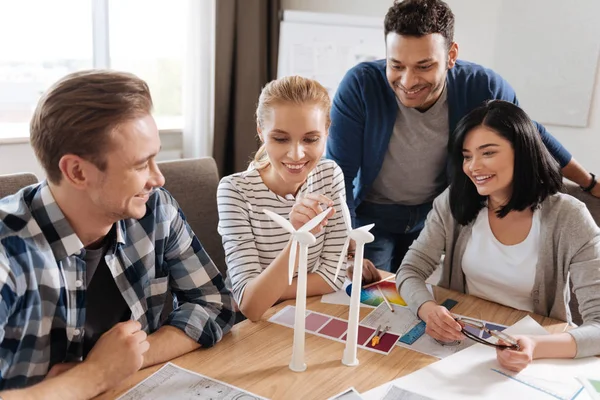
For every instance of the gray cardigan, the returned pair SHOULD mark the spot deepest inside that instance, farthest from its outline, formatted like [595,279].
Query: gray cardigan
[570,249]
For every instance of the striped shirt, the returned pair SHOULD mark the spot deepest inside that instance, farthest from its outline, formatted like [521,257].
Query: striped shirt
[43,281]
[252,240]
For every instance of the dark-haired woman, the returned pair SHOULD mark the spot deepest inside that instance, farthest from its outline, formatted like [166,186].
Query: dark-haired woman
[509,236]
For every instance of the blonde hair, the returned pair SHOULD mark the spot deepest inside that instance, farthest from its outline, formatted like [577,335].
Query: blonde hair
[291,90]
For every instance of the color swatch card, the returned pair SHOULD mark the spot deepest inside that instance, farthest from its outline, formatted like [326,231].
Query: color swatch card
[336,329]
[403,322]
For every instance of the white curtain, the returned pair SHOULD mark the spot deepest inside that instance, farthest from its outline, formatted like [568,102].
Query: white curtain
[198,80]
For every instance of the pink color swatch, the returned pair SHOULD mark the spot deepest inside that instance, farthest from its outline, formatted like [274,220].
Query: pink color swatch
[287,316]
[364,334]
[335,328]
[315,321]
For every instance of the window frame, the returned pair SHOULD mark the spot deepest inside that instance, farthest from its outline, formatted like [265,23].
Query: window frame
[101,60]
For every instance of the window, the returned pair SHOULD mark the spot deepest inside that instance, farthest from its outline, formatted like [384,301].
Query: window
[147,37]
[45,40]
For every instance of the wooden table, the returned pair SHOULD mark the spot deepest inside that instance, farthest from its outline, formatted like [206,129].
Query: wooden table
[255,356]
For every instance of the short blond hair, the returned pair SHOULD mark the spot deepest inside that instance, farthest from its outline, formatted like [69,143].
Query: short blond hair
[289,90]
[79,112]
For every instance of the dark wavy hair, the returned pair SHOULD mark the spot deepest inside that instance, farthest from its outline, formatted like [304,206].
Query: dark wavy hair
[536,174]
[419,18]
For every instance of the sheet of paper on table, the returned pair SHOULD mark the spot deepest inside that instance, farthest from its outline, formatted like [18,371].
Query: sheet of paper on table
[396,393]
[348,394]
[173,382]
[402,320]
[591,385]
[474,373]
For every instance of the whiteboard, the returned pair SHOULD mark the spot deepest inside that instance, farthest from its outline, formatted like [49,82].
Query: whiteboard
[325,46]
[548,50]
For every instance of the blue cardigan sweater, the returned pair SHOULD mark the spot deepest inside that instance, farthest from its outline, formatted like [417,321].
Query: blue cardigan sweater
[364,112]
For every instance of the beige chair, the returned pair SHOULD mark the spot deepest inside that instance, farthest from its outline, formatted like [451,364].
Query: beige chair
[11,184]
[193,183]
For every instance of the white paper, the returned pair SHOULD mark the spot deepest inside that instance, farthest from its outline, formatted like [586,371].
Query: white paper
[591,385]
[403,320]
[348,394]
[474,373]
[173,382]
[396,393]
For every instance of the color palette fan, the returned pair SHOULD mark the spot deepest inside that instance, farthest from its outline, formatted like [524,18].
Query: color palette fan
[336,329]
[371,295]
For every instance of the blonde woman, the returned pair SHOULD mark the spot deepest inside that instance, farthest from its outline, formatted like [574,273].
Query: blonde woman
[290,177]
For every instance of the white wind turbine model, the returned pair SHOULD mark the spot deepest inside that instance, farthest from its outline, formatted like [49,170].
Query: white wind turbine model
[305,239]
[360,236]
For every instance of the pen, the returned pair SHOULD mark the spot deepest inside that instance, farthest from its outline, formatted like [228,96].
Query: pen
[385,299]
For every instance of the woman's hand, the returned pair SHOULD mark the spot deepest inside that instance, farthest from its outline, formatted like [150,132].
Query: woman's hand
[441,325]
[517,360]
[369,272]
[308,207]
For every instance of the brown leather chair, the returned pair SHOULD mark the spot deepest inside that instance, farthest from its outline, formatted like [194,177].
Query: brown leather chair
[11,184]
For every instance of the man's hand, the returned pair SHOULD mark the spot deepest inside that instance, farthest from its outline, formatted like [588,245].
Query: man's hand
[596,190]
[58,369]
[369,272]
[119,352]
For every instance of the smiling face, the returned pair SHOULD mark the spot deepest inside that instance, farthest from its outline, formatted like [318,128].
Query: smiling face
[294,138]
[123,188]
[489,162]
[417,67]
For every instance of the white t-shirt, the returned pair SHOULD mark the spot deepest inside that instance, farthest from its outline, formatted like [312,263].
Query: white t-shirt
[252,240]
[500,273]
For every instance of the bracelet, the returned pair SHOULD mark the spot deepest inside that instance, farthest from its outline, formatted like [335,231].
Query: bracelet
[591,185]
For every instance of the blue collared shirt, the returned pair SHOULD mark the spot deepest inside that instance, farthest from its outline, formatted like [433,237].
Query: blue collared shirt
[43,275]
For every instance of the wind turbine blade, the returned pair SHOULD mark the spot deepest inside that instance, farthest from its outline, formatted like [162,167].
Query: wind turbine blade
[342,258]
[284,223]
[292,261]
[346,213]
[365,228]
[310,225]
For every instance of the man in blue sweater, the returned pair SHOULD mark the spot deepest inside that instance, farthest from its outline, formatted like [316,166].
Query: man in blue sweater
[391,120]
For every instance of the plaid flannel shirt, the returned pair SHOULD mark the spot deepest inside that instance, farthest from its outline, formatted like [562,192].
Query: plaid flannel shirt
[43,275]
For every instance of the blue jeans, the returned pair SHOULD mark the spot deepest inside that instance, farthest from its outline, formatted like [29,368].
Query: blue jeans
[396,227]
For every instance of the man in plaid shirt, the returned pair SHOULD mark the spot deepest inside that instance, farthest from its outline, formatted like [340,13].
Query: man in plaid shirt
[87,256]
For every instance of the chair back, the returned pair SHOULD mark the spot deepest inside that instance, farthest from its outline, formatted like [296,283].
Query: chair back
[11,184]
[193,183]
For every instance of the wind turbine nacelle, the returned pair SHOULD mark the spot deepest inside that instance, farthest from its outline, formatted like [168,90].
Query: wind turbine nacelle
[305,238]
[361,236]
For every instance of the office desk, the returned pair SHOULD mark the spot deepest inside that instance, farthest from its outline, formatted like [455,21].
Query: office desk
[255,356]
